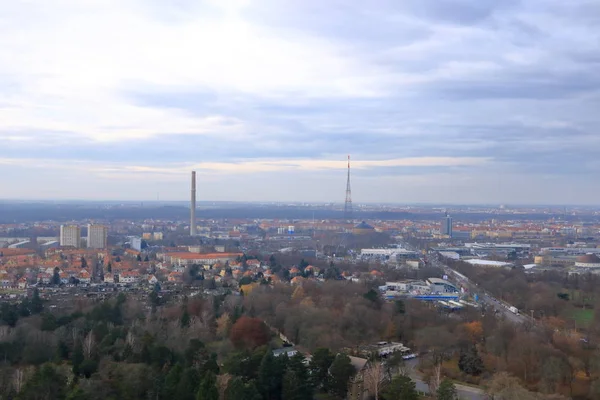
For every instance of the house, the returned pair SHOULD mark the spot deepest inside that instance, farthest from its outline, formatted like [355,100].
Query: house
[289,351]
[6,281]
[357,389]
[44,277]
[175,276]
[22,283]
[152,280]
[109,278]
[84,276]
[298,280]
[129,277]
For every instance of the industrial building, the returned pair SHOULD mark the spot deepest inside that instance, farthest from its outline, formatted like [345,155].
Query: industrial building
[438,285]
[19,245]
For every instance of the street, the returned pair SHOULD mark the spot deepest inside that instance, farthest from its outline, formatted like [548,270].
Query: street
[464,392]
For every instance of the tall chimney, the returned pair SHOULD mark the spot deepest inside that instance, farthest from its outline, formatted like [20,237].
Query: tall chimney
[193,206]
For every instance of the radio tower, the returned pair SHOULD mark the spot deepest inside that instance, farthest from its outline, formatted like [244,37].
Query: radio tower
[348,204]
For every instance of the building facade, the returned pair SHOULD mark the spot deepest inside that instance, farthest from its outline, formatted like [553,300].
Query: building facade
[70,235]
[446,226]
[96,236]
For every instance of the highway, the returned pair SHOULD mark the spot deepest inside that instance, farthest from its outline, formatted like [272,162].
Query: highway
[485,298]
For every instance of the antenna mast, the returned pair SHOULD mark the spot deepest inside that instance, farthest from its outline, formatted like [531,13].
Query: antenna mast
[348,203]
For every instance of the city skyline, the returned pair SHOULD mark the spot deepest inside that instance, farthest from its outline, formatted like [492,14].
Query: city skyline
[466,102]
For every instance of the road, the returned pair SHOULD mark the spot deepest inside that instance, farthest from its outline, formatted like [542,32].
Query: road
[464,392]
[485,298]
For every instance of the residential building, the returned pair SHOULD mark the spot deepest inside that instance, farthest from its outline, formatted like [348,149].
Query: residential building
[136,243]
[96,236]
[70,235]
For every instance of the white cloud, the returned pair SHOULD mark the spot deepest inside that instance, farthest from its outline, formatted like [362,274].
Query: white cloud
[72,61]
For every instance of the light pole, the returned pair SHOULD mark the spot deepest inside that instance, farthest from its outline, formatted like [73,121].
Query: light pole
[532,316]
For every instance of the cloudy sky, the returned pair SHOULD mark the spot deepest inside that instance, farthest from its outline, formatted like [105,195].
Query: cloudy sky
[440,101]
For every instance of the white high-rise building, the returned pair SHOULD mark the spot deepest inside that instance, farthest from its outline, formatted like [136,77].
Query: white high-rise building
[96,236]
[70,235]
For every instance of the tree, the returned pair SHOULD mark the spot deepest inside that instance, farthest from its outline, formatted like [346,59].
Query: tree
[296,383]
[37,305]
[469,361]
[84,263]
[374,379]
[139,258]
[223,325]
[246,280]
[45,384]
[237,389]
[341,371]
[401,388]
[399,307]
[186,388]
[109,268]
[372,296]
[249,333]
[56,276]
[184,321]
[319,367]
[270,377]
[446,391]
[502,386]
[77,358]
[208,388]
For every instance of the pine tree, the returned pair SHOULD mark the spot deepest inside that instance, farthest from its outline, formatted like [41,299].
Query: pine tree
[37,305]
[77,358]
[341,371]
[296,385]
[319,367]
[470,362]
[270,377]
[208,388]
[446,391]
[401,387]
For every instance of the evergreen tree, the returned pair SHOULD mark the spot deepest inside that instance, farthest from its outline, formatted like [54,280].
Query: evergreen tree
[208,388]
[77,358]
[171,381]
[45,384]
[188,384]
[56,276]
[83,262]
[401,387]
[270,377]
[109,268]
[296,383]
[446,391]
[237,390]
[185,318]
[341,371]
[25,308]
[319,367]
[469,361]
[139,258]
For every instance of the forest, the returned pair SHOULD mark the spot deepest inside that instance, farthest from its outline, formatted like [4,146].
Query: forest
[222,347]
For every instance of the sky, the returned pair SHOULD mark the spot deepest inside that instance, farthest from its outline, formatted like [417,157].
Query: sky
[436,101]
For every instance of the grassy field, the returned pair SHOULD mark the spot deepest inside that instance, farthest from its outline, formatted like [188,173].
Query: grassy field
[583,317]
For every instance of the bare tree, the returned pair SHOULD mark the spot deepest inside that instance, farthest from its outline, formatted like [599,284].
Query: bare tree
[89,344]
[374,379]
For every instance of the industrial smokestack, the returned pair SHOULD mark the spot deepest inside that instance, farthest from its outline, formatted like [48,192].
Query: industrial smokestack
[193,206]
